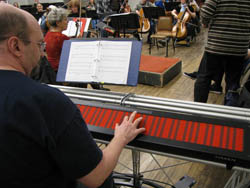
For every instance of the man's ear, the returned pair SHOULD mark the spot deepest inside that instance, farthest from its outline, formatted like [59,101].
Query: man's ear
[15,46]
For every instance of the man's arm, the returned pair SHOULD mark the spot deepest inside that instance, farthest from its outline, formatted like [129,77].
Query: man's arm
[208,11]
[191,12]
[248,54]
[124,133]
[174,14]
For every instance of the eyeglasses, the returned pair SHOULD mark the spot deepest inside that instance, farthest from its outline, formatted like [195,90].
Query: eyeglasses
[42,45]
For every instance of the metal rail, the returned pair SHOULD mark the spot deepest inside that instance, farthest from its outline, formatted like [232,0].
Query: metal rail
[161,104]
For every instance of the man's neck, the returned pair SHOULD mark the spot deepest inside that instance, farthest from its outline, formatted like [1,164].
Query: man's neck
[55,29]
[10,66]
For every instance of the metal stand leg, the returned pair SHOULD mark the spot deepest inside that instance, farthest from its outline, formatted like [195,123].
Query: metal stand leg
[136,168]
[238,180]
[136,179]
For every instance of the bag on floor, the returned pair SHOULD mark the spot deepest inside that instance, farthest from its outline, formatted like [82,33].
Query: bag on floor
[244,91]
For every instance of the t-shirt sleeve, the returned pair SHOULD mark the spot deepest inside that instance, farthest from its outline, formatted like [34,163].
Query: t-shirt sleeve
[76,153]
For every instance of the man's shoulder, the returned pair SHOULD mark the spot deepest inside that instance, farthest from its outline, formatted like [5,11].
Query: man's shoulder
[34,90]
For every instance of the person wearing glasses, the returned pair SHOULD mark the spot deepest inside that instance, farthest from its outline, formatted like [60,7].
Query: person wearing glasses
[44,142]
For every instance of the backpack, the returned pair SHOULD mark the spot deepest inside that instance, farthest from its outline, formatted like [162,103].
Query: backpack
[244,90]
[44,73]
[240,96]
[115,5]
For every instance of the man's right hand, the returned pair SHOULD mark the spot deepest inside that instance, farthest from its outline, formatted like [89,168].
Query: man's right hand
[127,130]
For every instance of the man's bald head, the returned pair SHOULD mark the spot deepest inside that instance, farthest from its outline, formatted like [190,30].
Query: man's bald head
[14,21]
[20,39]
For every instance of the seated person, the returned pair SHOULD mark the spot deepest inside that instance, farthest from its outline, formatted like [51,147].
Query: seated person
[145,3]
[39,11]
[15,4]
[125,7]
[160,3]
[44,21]
[57,19]
[74,8]
[45,143]
[196,20]
[189,12]
[92,6]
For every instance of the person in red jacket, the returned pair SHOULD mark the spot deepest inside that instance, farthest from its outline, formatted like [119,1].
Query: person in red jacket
[57,19]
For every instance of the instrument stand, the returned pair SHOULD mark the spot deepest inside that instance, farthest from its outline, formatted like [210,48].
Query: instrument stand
[125,23]
[136,179]
[239,179]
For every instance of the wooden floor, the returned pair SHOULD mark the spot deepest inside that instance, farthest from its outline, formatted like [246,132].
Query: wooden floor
[180,87]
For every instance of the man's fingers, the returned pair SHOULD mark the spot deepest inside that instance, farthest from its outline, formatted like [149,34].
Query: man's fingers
[132,117]
[125,119]
[137,121]
[140,130]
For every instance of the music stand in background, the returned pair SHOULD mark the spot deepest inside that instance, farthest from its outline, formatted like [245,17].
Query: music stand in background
[92,14]
[169,6]
[153,12]
[125,22]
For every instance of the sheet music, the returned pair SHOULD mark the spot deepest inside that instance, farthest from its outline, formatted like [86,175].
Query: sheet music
[82,60]
[114,61]
[71,29]
[83,27]
[99,61]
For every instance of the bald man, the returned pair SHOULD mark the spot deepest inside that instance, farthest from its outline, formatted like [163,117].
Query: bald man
[44,142]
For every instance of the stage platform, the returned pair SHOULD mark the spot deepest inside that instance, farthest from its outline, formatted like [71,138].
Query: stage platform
[158,71]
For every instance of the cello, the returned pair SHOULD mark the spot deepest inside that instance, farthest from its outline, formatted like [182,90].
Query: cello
[180,29]
[144,23]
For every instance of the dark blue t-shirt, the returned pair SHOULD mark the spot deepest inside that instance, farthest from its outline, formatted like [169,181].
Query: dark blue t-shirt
[44,142]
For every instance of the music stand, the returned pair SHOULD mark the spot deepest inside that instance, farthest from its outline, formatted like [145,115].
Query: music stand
[124,21]
[153,12]
[169,6]
[92,14]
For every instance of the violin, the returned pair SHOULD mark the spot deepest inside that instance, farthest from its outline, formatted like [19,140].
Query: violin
[180,29]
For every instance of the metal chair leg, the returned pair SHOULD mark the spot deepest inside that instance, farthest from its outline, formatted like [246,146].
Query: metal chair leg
[166,42]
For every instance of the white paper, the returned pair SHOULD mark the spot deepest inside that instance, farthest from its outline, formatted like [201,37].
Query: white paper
[99,61]
[81,61]
[114,61]
[71,29]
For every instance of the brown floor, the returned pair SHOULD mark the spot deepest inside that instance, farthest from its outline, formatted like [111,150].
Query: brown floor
[180,87]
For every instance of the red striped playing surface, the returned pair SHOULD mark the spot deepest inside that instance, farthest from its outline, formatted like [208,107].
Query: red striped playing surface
[218,136]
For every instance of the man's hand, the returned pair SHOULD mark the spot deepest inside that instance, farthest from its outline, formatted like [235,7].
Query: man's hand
[127,130]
